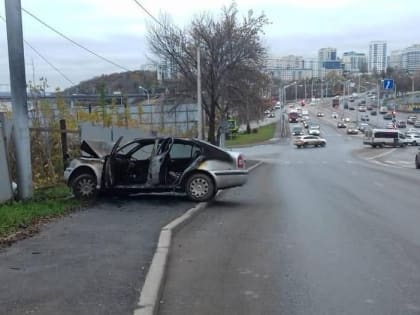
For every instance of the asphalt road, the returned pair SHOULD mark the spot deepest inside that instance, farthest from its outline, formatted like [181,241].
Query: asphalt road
[315,231]
[90,262]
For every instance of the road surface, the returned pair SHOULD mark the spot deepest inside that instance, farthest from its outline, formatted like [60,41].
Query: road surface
[315,231]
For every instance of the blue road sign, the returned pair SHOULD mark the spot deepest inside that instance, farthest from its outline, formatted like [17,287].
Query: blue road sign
[388,84]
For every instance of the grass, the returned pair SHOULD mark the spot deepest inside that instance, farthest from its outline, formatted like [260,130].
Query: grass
[264,133]
[46,203]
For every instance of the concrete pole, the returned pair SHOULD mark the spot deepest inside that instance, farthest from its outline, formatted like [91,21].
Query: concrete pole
[19,98]
[199,101]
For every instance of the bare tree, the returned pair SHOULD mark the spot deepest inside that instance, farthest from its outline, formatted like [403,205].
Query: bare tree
[230,48]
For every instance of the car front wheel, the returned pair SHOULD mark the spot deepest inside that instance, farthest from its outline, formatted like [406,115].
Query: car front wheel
[200,187]
[84,187]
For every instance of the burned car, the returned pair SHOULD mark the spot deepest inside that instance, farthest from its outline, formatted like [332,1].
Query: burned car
[151,165]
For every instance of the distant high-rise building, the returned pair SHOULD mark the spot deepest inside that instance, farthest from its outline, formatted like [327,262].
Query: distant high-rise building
[354,62]
[377,56]
[328,62]
[395,59]
[291,68]
[410,58]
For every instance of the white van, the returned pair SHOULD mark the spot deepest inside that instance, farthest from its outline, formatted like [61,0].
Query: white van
[384,137]
[383,110]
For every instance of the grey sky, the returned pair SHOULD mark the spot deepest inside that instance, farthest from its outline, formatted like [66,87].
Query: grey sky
[116,30]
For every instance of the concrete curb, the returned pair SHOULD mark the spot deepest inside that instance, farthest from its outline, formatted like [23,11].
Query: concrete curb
[148,303]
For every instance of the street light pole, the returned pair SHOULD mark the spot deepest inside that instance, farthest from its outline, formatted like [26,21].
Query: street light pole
[199,100]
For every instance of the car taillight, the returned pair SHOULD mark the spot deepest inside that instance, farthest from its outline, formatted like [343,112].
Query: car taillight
[241,162]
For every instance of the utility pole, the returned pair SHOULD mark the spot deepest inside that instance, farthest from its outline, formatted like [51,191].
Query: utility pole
[19,98]
[199,101]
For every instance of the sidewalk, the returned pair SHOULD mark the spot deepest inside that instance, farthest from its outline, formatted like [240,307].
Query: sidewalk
[264,122]
[87,263]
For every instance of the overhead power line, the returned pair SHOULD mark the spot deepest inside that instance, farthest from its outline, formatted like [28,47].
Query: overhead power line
[44,58]
[148,13]
[74,42]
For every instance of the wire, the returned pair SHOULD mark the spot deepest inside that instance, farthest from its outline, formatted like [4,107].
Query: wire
[74,42]
[44,58]
[148,13]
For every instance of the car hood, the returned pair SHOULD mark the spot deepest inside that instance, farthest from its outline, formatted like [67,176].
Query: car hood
[96,149]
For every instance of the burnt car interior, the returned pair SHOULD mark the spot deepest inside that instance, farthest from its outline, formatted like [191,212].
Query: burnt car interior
[151,162]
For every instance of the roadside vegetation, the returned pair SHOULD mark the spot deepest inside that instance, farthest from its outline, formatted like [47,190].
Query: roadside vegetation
[261,134]
[46,204]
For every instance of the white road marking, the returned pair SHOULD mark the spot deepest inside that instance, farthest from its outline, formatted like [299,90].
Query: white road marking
[381,154]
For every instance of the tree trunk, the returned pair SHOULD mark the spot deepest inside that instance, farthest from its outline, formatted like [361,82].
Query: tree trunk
[212,124]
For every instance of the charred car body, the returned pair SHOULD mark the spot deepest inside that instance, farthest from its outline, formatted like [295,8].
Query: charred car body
[150,165]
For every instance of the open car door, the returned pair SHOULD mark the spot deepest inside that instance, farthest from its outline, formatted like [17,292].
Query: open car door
[158,167]
[109,169]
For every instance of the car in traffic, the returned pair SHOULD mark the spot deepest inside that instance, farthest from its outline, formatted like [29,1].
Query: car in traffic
[298,131]
[413,138]
[387,116]
[271,115]
[334,115]
[364,117]
[320,114]
[346,119]
[373,113]
[352,130]
[362,108]
[401,124]
[416,124]
[314,130]
[341,124]
[411,119]
[305,141]
[363,127]
[150,165]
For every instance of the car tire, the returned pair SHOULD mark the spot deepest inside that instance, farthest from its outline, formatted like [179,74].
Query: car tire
[84,187]
[200,187]
[323,144]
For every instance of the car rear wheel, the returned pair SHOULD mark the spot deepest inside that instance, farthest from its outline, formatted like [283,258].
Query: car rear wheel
[200,187]
[84,187]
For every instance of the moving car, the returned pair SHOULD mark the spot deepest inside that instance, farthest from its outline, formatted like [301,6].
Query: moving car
[364,117]
[388,116]
[334,115]
[417,124]
[340,124]
[304,141]
[401,124]
[413,138]
[314,130]
[297,131]
[320,114]
[352,130]
[150,165]
[363,127]
[411,119]
[373,113]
